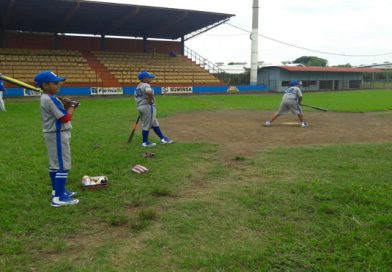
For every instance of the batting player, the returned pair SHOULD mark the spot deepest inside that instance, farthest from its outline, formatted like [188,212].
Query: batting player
[56,123]
[145,102]
[291,101]
[3,90]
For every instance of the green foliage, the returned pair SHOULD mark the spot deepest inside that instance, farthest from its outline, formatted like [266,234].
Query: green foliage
[234,79]
[311,61]
[347,65]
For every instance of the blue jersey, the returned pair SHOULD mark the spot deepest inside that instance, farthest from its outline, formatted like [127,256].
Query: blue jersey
[2,88]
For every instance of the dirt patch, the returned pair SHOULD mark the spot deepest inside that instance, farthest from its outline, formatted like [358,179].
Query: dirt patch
[241,132]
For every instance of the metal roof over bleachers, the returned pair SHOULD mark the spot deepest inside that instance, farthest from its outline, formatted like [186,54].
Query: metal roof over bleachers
[101,18]
[325,69]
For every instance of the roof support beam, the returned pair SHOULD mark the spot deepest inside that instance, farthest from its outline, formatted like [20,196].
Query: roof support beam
[2,38]
[7,14]
[122,20]
[68,17]
[201,31]
[145,45]
[182,45]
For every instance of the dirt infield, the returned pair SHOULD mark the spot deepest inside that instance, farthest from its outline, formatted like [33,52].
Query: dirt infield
[241,132]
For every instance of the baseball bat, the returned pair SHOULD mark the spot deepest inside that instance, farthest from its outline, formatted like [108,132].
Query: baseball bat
[20,83]
[316,108]
[134,129]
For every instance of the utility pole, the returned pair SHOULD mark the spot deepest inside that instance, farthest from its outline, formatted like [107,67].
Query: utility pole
[255,43]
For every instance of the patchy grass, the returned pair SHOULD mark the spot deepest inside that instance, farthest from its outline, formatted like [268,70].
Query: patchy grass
[328,210]
[274,214]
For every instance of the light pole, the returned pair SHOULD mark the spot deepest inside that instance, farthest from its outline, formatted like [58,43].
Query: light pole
[255,42]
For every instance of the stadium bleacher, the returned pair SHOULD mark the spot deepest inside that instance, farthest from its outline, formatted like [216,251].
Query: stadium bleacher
[105,44]
[23,64]
[78,68]
[168,69]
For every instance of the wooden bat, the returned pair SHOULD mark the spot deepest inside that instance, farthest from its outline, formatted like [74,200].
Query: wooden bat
[134,129]
[316,108]
[20,83]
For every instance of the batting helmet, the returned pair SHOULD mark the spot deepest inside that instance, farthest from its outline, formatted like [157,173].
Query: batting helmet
[145,74]
[295,83]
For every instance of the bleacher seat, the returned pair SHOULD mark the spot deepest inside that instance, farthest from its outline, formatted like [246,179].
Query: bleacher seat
[169,70]
[24,64]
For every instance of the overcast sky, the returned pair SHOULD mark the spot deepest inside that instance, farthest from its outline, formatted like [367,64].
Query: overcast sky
[356,27]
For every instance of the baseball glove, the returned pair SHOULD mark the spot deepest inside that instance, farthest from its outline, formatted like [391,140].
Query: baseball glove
[68,102]
[148,155]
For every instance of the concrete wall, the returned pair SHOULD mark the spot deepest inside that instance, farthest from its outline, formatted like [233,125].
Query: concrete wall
[86,91]
[47,41]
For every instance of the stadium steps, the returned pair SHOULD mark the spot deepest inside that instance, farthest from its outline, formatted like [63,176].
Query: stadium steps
[108,80]
[179,71]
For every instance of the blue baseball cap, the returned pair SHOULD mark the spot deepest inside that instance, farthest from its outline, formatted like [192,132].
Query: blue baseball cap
[145,74]
[295,83]
[47,77]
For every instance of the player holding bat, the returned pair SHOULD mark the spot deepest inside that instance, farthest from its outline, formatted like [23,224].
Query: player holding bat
[56,116]
[291,101]
[145,102]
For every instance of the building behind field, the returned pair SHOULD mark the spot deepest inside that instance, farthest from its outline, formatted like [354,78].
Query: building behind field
[386,65]
[314,78]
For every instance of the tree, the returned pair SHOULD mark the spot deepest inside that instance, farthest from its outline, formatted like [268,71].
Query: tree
[347,65]
[311,61]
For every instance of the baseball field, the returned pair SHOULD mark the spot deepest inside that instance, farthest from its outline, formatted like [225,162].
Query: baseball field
[229,195]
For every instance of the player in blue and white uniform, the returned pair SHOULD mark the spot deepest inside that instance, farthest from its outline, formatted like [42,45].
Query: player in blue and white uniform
[291,101]
[56,125]
[145,103]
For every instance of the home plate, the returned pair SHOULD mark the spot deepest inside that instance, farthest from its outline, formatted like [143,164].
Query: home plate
[291,123]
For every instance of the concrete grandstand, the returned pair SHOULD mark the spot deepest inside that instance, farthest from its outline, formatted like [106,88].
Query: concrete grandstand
[102,44]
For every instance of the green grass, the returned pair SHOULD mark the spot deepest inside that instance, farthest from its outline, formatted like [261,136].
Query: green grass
[327,211]
[344,101]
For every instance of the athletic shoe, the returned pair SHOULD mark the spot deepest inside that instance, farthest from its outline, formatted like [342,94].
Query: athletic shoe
[166,140]
[303,125]
[148,144]
[66,192]
[70,194]
[267,124]
[56,202]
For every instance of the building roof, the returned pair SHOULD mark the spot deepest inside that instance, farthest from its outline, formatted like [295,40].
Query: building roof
[100,18]
[385,65]
[327,69]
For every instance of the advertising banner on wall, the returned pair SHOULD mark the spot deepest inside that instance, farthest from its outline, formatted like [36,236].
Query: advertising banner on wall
[106,91]
[177,90]
[30,93]
[233,89]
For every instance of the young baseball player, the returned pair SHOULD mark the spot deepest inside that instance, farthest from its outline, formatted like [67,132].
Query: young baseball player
[3,90]
[145,102]
[291,101]
[56,122]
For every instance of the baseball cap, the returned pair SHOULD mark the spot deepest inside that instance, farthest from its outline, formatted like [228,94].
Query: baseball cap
[295,83]
[47,77]
[145,74]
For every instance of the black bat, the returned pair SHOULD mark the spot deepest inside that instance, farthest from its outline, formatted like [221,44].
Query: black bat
[316,108]
[134,129]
